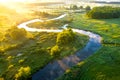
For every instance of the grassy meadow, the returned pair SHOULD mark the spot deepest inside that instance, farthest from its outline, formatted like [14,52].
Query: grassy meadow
[107,28]
[23,53]
[35,54]
[104,64]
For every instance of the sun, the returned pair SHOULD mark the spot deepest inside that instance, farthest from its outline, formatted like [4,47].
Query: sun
[10,1]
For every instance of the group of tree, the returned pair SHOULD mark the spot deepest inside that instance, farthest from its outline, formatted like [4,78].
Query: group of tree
[15,33]
[75,7]
[63,38]
[105,12]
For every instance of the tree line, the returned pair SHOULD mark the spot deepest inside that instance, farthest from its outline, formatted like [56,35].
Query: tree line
[105,12]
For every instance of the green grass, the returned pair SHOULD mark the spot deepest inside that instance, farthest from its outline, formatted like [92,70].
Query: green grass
[107,28]
[36,54]
[53,24]
[105,63]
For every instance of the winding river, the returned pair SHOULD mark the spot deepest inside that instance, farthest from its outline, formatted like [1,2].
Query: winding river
[57,68]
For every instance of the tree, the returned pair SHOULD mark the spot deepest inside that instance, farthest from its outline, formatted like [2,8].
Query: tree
[74,7]
[104,12]
[87,8]
[17,34]
[55,51]
[65,37]
[81,7]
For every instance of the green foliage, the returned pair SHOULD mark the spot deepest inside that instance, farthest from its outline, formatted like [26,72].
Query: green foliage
[107,28]
[55,51]
[23,73]
[2,59]
[17,34]
[67,20]
[14,38]
[47,24]
[65,37]
[52,24]
[21,61]
[103,65]
[104,12]
[81,7]
[39,49]
[10,66]
[42,14]
[87,8]
[74,7]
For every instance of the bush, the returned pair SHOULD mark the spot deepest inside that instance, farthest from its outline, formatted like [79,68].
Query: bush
[81,7]
[55,51]
[105,12]
[10,66]
[23,73]
[21,61]
[87,8]
[74,7]
[65,37]
[17,34]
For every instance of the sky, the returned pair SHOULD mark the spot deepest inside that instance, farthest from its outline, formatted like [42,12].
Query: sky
[49,0]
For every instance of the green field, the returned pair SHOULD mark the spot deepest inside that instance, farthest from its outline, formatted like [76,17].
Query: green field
[52,24]
[105,63]
[23,53]
[35,53]
[107,28]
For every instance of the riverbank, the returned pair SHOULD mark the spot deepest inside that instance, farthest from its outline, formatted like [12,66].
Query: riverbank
[39,45]
[104,64]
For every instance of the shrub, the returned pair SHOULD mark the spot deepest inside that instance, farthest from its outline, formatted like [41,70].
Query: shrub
[65,37]
[74,7]
[17,34]
[55,51]
[10,66]
[9,58]
[81,7]
[23,73]
[87,8]
[21,61]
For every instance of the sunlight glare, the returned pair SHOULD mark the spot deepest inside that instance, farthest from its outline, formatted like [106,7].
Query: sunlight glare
[9,1]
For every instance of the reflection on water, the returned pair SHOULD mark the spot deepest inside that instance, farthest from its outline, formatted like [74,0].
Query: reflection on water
[55,69]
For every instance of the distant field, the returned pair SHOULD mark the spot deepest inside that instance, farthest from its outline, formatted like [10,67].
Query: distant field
[52,24]
[107,28]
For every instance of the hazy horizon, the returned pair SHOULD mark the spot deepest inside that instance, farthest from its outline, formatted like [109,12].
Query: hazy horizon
[25,1]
